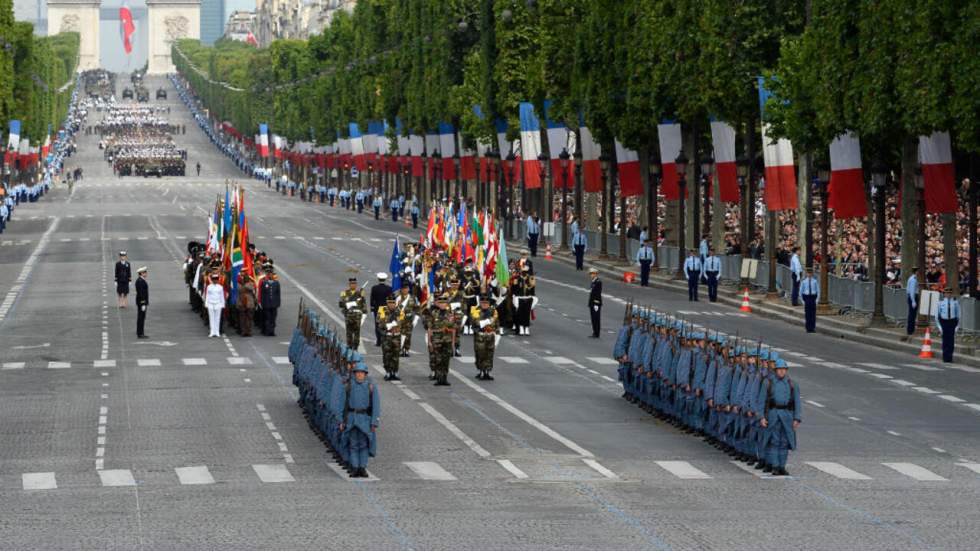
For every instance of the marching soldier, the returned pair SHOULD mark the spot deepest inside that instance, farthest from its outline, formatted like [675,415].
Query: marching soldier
[379,295]
[352,306]
[471,290]
[246,304]
[270,300]
[361,415]
[442,339]
[484,323]
[408,308]
[389,317]
[458,309]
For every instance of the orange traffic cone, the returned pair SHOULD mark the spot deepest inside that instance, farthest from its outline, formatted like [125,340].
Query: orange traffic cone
[547,252]
[926,351]
[745,301]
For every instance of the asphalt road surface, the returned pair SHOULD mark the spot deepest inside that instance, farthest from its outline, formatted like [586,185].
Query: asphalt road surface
[185,442]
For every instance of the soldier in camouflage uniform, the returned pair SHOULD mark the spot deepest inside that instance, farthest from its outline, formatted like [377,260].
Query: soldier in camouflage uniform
[391,336]
[483,321]
[457,305]
[442,337]
[408,308]
[353,308]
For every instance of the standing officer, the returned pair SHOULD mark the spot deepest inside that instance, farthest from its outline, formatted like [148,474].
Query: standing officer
[270,297]
[484,322]
[782,416]
[379,296]
[579,244]
[394,205]
[361,415]
[352,306]
[796,269]
[947,318]
[389,317]
[415,214]
[246,304]
[376,205]
[712,273]
[912,298]
[810,291]
[142,301]
[533,230]
[692,271]
[442,339]
[124,274]
[644,257]
[595,301]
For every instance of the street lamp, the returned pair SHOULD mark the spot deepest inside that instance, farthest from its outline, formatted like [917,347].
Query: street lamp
[879,181]
[822,182]
[653,215]
[707,164]
[563,159]
[681,165]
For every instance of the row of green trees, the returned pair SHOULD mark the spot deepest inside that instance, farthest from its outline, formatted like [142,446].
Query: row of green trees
[36,75]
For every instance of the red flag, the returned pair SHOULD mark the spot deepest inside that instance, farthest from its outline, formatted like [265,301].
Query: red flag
[936,158]
[126,27]
[846,178]
[250,39]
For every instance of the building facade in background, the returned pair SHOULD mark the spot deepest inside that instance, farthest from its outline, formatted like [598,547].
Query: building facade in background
[240,24]
[212,20]
[298,19]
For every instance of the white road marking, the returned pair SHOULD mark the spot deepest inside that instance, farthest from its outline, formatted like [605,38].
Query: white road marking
[13,365]
[902,382]
[194,361]
[925,390]
[683,469]
[59,365]
[467,359]
[838,470]
[514,359]
[815,404]
[427,470]
[194,475]
[968,369]
[456,431]
[953,399]
[512,469]
[281,360]
[793,364]
[854,418]
[610,379]
[39,481]
[602,361]
[879,366]
[273,473]
[117,477]
[912,470]
[148,362]
[559,360]
[596,466]
[973,406]
[975,467]
[893,433]
[881,376]
[239,361]
[104,363]
[922,367]
[940,450]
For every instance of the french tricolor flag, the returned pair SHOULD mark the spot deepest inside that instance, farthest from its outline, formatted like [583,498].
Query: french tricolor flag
[723,139]
[357,146]
[507,147]
[447,147]
[530,146]
[846,178]
[372,139]
[669,136]
[591,165]
[780,188]
[630,183]
[263,140]
[467,160]
[936,158]
[13,139]
[557,142]
[417,147]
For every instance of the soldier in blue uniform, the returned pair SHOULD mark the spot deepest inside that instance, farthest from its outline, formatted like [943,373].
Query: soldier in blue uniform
[810,292]
[362,412]
[712,273]
[782,417]
[579,245]
[947,318]
[644,257]
[692,271]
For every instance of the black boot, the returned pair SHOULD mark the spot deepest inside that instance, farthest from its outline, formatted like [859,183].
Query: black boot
[487,376]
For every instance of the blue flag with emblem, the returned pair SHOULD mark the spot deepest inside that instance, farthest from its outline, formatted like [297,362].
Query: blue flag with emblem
[395,267]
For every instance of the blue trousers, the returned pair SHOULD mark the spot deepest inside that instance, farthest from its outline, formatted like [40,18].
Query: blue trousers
[712,278]
[579,256]
[415,221]
[778,449]
[394,215]
[377,213]
[913,312]
[692,286]
[358,445]
[949,338]
[645,272]
[532,243]
[810,312]
[796,290]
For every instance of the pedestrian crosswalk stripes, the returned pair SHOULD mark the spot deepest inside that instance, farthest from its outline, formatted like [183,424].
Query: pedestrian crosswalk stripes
[39,481]
[917,472]
[683,469]
[513,359]
[148,362]
[428,470]
[117,477]
[837,470]
[194,475]
[273,473]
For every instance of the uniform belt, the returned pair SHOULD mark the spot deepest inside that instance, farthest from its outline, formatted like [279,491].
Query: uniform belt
[363,410]
[776,406]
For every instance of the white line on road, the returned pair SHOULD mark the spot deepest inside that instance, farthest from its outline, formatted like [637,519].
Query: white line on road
[194,475]
[512,469]
[973,406]
[902,382]
[59,365]
[104,363]
[514,359]
[456,431]
[117,477]
[815,404]
[148,362]
[953,399]
[13,365]
[925,390]
[838,470]
[273,473]
[683,469]
[596,466]
[428,470]
[602,361]
[975,467]
[194,361]
[39,481]
[912,470]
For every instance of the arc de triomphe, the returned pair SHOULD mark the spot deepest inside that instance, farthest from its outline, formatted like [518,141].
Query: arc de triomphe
[167,21]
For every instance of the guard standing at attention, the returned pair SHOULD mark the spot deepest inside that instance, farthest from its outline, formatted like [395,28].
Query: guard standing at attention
[947,318]
[533,231]
[246,304]
[810,291]
[782,416]
[912,298]
[142,301]
[712,273]
[579,244]
[361,415]
[484,322]
[644,257]
[352,306]
[595,302]
[692,271]
[796,270]
[124,274]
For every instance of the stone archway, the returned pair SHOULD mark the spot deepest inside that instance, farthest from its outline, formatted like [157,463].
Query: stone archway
[167,21]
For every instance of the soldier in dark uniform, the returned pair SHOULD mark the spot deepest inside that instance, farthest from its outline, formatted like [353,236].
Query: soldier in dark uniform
[595,302]
[523,291]
[390,322]
[483,320]
[270,301]
[408,307]
[142,301]
[379,296]
[471,291]
[352,306]
[124,275]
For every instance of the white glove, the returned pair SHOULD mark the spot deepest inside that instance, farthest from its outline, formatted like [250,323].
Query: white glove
[351,304]
[515,302]
[484,323]
[596,307]
[455,305]
[143,308]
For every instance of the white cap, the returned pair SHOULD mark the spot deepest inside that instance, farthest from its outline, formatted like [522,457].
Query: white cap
[141,270]
[382,276]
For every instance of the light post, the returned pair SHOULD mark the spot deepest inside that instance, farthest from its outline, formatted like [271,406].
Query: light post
[879,182]
[681,164]
[823,187]
[563,159]
[653,221]
[707,164]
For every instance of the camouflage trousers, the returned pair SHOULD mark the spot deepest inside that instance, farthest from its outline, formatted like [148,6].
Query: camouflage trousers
[406,330]
[390,352]
[353,332]
[440,354]
[483,348]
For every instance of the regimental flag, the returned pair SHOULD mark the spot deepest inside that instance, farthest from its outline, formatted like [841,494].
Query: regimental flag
[669,136]
[447,146]
[591,152]
[530,145]
[395,267]
[557,142]
[723,139]
[846,178]
[263,140]
[501,270]
[126,27]
[630,183]
[780,187]
[936,158]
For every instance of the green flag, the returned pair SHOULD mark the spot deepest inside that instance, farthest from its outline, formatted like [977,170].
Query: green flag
[501,271]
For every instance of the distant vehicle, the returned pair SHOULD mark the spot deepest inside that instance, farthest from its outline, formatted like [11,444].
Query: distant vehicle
[161,93]
[128,93]
[142,94]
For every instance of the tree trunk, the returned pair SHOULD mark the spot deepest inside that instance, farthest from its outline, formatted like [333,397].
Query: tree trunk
[718,227]
[804,238]
[692,226]
[909,208]
[950,258]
